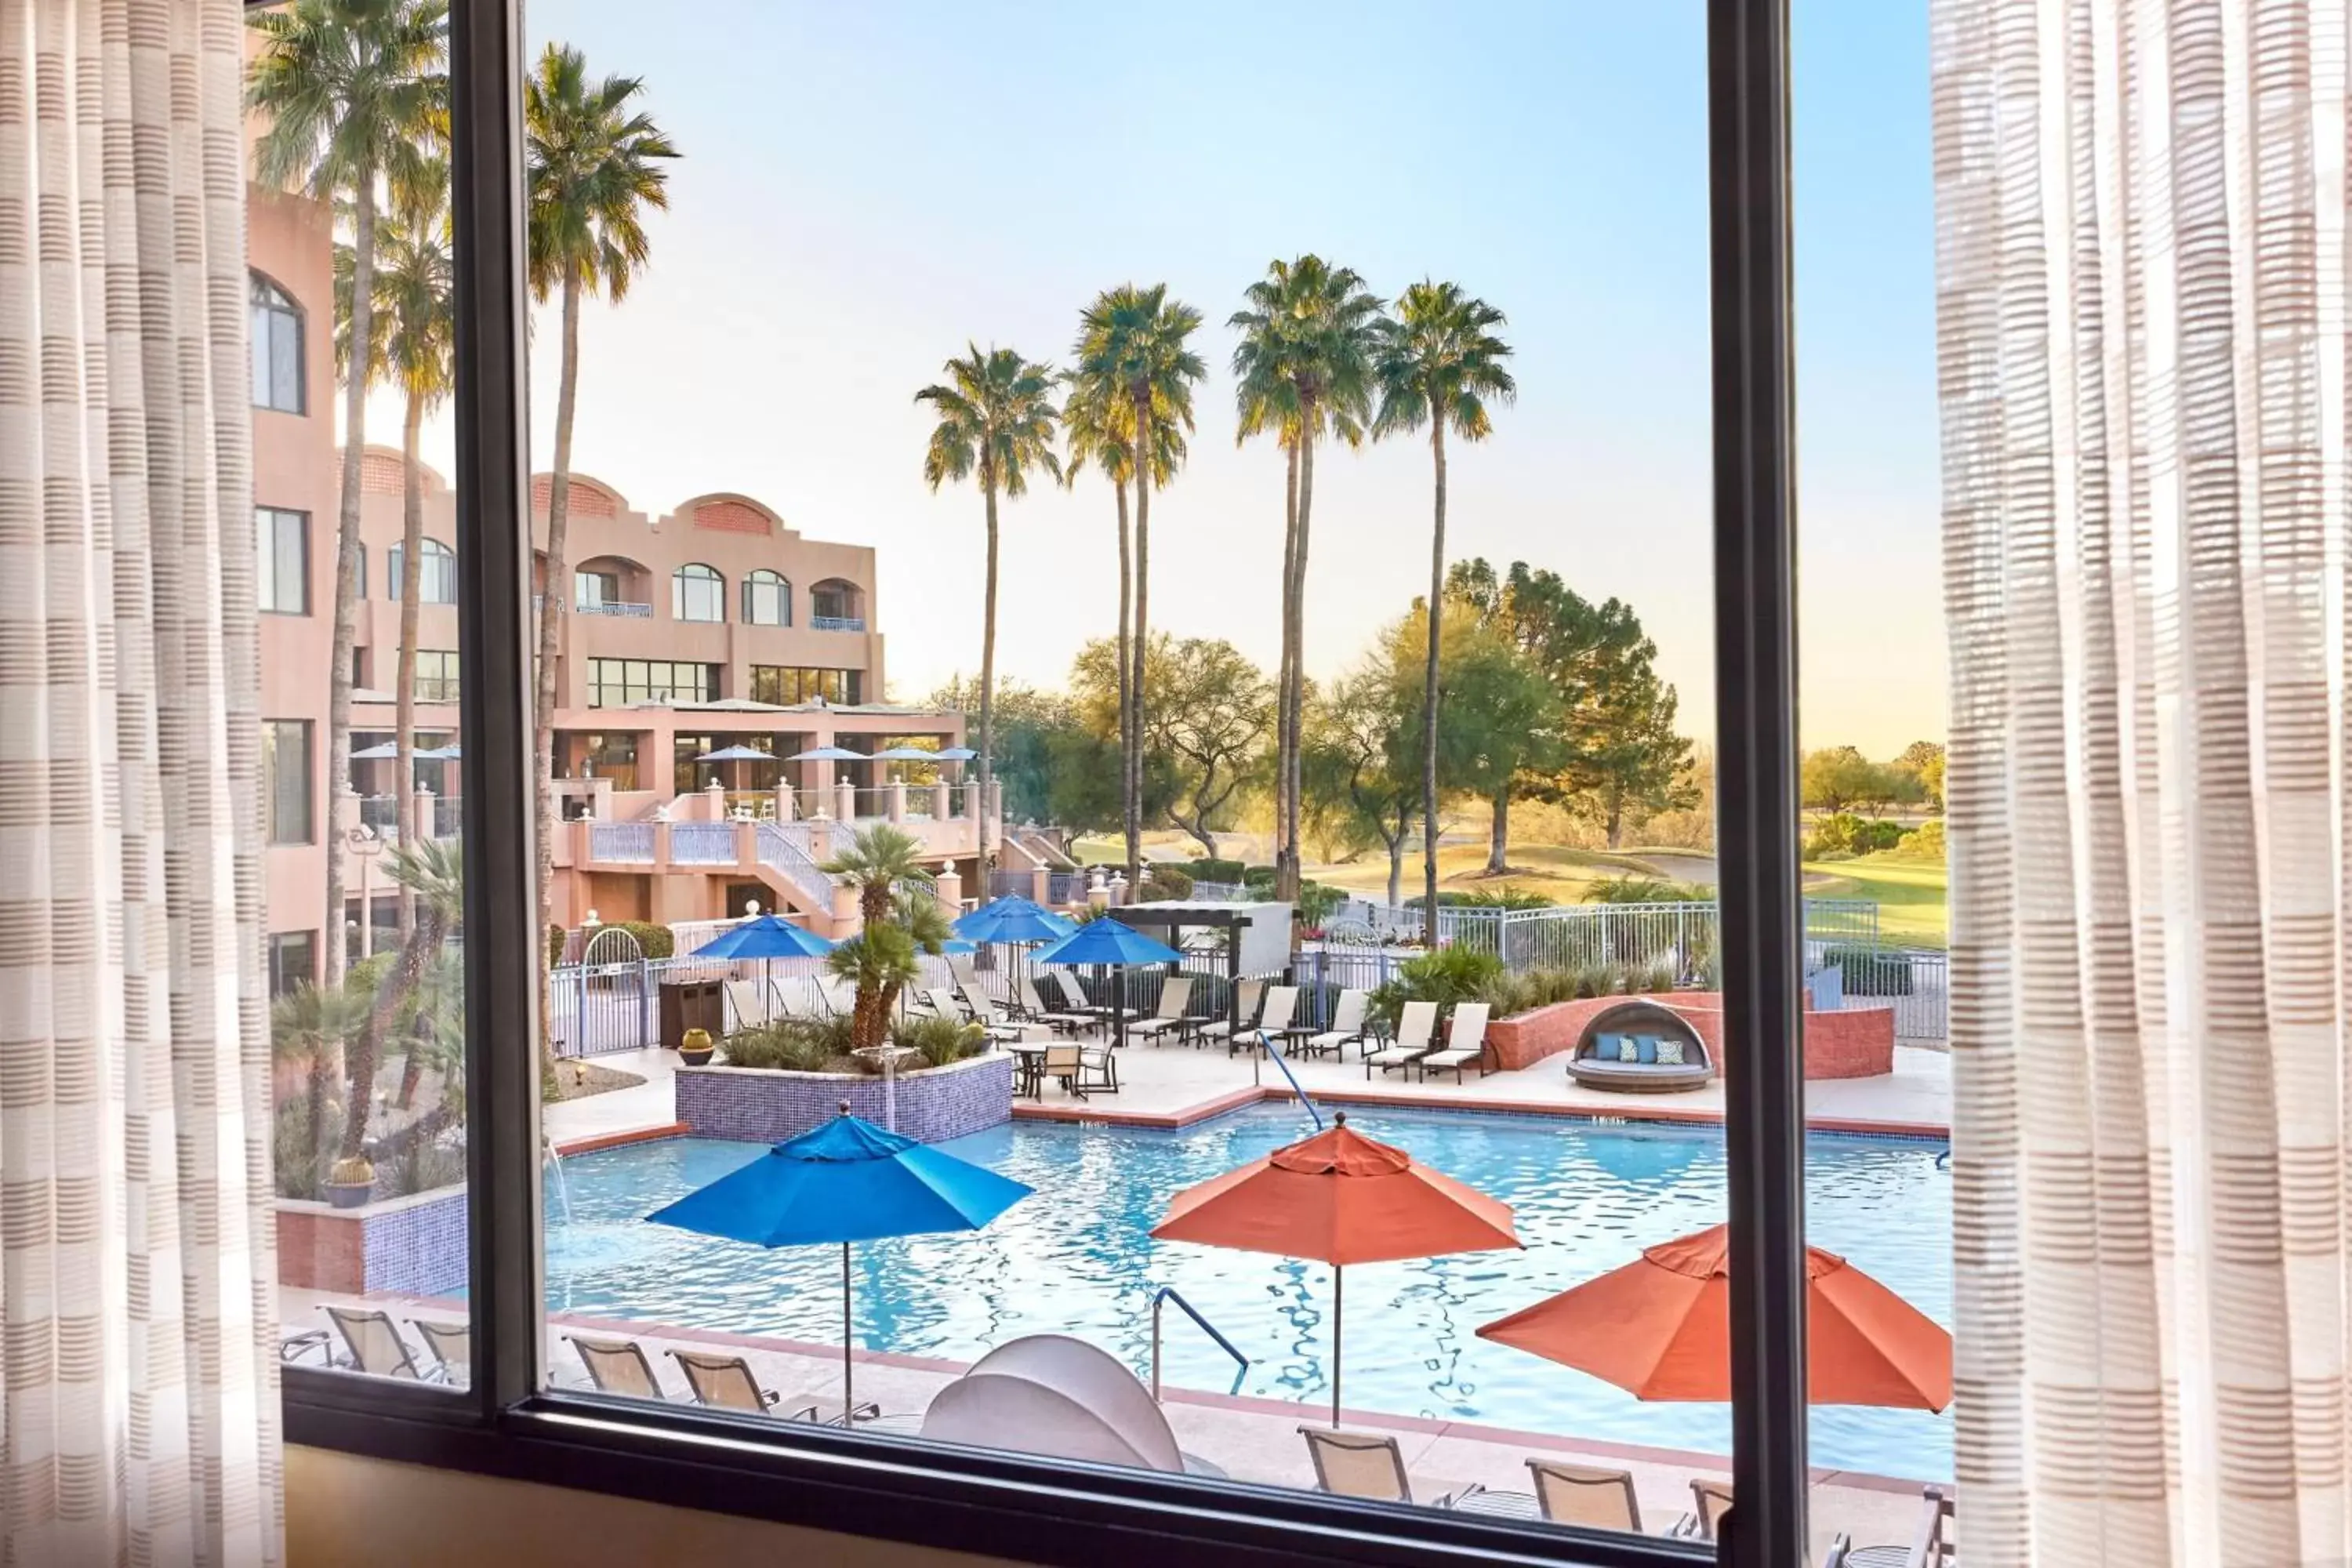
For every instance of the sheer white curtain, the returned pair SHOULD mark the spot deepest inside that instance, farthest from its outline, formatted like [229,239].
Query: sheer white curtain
[138,1377]
[2142,293]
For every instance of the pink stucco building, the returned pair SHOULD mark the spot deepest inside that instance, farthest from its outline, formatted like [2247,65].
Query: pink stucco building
[710,625]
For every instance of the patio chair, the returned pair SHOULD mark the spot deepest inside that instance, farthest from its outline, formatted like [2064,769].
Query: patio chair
[1347,1027]
[1464,1044]
[966,973]
[1360,1464]
[371,1345]
[1174,993]
[1246,1000]
[1281,1002]
[1097,1069]
[452,1345]
[1933,1548]
[749,1002]
[1712,1501]
[617,1366]
[1066,1064]
[943,1004]
[1001,1030]
[1414,1027]
[1039,1012]
[726,1383]
[1599,1499]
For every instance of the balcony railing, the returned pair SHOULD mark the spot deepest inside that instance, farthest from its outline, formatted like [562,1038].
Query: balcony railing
[615,607]
[628,842]
[838,623]
[702,843]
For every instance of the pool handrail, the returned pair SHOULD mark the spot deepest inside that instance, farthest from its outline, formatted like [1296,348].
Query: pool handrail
[1167,1293]
[1275,1052]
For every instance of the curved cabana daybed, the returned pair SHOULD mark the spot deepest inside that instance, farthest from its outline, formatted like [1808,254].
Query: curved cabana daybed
[1601,1056]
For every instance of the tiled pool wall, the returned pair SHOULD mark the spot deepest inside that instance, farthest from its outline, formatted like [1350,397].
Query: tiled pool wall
[930,1105]
[410,1247]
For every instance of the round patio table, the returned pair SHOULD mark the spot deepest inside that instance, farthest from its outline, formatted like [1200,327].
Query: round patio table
[1029,1057]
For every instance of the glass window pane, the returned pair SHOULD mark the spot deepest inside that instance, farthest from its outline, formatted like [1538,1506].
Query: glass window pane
[364,867]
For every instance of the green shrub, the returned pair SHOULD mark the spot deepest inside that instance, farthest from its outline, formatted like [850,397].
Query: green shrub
[1529,989]
[1925,842]
[1870,972]
[424,1165]
[794,1045]
[1317,901]
[1162,883]
[1208,870]
[656,940]
[555,936]
[1449,975]
[1633,889]
[1505,898]
[941,1040]
[301,1165]
[1842,835]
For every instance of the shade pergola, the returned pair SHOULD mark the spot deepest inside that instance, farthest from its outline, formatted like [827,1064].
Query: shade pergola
[1237,921]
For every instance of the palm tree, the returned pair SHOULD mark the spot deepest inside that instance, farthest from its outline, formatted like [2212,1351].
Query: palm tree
[996,419]
[1139,340]
[308,1026]
[594,165]
[1302,369]
[883,864]
[1439,363]
[416,339]
[1099,422]
[355,94]
[433,869]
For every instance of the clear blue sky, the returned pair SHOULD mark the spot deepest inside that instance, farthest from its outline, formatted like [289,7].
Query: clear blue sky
[867,187]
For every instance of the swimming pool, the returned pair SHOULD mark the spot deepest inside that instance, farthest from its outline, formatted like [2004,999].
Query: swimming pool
[1076,1257]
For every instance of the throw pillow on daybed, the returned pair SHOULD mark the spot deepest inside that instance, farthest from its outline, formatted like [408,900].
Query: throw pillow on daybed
[1670,1053]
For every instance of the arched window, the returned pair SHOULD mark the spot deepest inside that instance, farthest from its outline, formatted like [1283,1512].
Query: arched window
[698,592]
[437,581]
[767,599]
[276,346]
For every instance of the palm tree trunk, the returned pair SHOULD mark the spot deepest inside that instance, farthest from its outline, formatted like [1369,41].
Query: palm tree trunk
[1126,746]
[1429,684]
[1296,647]
[555,599]
[383,1015]
[1142,651]
[315,1110]
[1284,731]
[987,668]
[347,574]
[404,704]
[1498,837]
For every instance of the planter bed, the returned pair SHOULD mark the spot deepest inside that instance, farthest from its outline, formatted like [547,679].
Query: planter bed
[767,1105]
[1858,1042]
[414,1246]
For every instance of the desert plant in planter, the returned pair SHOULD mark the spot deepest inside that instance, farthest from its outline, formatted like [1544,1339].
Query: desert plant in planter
[351,1182]
[694,1047]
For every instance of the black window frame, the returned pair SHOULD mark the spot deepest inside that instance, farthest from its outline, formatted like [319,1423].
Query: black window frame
[447,681]
[282,305]
[265,562]
[395,557]
[506,1424]
[273,768]
[282,982]
[702,574]
[764,577]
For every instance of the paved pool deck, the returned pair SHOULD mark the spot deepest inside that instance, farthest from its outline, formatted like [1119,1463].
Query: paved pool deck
[1173,1085]
[1253,1440]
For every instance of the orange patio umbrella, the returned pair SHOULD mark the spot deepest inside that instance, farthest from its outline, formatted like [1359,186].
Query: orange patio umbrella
[1660,1328]
[1339,1198]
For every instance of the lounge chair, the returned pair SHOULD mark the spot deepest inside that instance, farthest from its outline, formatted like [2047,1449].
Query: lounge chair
[746,1005]
[1933,1548]
[1245,1010]
[1414,1027]
[1174,993]
[1465,1044]
[1600,1498]
[1712,1501]
[942,1001]
[1074,999]
[1040,1011]
[1347,1027]
[1359,1464]
[1281,1002]
[966,973]
[1001,1029]
[452,1345]
[371,1345]
[726,1383]
[1623,1049]
[617,1366]
[1097,1069]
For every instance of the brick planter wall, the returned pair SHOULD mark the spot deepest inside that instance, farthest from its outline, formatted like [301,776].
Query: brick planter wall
[1854,1042]
[768,1106]
[411,1246]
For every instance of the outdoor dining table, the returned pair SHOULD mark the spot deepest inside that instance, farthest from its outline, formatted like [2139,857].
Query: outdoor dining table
[1029,1057]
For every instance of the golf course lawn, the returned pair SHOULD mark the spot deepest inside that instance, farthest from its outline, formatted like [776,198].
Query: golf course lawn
[1912,909]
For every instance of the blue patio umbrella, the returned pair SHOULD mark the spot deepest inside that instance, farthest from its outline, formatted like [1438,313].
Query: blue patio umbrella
[847,1180]
[828,754]
[1012,918]
[769,936]
[1107,942]
[907,754]
[956,754]
[737,754]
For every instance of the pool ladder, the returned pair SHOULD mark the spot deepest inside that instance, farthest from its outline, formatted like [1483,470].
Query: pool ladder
[1160,1299]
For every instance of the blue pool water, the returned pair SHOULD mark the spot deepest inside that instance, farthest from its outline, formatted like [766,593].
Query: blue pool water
[1077,1258]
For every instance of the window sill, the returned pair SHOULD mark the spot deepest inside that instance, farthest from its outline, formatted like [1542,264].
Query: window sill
[946,1498]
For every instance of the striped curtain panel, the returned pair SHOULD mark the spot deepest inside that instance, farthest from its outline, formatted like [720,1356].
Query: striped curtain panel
[2142,295]
[139,1419]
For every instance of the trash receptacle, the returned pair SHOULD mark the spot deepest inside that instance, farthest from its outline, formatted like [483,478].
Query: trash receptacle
[691,1004]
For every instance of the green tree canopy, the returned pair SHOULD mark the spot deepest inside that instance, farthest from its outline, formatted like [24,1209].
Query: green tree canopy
[1207,713]
[1498,718]
[1361,767]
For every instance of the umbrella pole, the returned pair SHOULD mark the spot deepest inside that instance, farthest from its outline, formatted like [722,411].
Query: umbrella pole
[848,1397]
[1339,1310]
